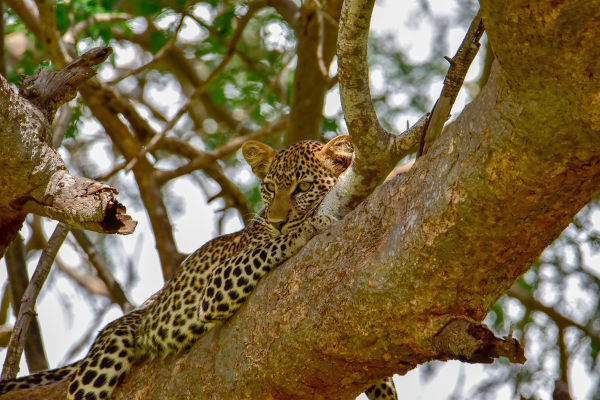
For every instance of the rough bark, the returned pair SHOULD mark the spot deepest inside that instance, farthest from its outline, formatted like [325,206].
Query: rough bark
[435,245]
[33,177]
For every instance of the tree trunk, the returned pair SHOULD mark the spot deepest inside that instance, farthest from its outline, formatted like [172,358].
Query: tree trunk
[438,244]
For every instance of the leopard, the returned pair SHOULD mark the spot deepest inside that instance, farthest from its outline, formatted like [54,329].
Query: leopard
[217,279]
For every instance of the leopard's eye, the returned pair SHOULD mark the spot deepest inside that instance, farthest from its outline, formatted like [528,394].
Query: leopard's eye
[270,187]
[304,186]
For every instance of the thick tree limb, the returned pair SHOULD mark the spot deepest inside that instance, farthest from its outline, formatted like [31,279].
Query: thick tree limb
[376,151]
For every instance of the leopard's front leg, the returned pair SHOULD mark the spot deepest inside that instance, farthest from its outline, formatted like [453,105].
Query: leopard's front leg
[231,284]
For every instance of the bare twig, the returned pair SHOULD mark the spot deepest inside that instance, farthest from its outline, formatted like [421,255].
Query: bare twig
[320,13]
[86,337]
[90,283]
[165,49]
[18,279]
[530,302]
[241,25]
[229,191]
[459,66]
[226,149]
[104,273]
[27,312]
[73,33]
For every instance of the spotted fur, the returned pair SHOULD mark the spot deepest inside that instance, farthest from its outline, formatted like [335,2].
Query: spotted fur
[217,279]
[384,389]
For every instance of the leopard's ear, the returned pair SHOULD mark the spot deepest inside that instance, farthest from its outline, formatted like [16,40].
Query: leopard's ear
[337,154]
[259,156]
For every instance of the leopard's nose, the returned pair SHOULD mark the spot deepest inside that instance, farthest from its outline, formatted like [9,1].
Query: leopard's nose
[278,225]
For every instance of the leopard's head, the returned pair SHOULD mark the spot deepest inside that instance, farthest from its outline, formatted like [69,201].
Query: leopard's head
[296,178]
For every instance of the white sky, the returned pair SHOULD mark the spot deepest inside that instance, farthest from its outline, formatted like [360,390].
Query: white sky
[197,225]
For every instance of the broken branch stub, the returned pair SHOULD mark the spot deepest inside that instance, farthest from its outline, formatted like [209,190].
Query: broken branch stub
[474,343]
[48,90]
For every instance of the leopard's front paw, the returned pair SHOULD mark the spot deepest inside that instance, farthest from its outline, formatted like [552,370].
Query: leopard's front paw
[322,222]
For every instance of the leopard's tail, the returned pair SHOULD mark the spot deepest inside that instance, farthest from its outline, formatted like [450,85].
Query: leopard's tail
[41,378]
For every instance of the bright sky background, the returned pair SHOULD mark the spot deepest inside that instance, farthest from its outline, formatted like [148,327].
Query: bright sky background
[64,317]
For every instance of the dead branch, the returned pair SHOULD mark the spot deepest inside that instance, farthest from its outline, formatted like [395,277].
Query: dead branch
[459,66]
[34,177]
[48,90]
[27,311]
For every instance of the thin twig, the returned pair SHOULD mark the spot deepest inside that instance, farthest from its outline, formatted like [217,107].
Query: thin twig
[73,33]
[286,59]
[86,337]
[459,66]
[242,22]
[228,148]
[530,302]
[27,312]
[322,67]
[104,273]
[232,195]
[165,49]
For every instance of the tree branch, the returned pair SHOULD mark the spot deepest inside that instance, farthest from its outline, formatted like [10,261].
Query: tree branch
[224,150]
[310,83]
[376,151]
[18,279]
[104,273]
[531,303]
[27,311]
[73,33]
[459,66]
[34,176]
